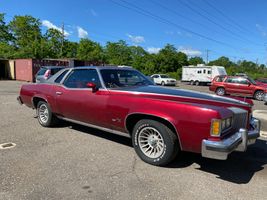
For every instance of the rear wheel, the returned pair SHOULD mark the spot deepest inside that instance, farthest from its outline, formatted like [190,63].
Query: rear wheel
[154,142]
[163,83]
[197,83]
[191,82]
[259,95]
[45,115]
[220,91]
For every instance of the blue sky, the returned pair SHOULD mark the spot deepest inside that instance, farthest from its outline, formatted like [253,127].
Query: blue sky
[234,28]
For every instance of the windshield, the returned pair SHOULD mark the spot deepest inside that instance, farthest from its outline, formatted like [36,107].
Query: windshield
[252,81]
[164,76]
[116,78]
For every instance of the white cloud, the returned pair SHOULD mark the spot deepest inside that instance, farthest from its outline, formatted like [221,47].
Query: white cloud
[262,30]
[81,32]
[153,49]
[189,51]
[136,39]
[50,25]
[93,12]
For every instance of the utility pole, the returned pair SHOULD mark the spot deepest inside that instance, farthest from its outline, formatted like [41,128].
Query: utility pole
[62,40]
[207,58]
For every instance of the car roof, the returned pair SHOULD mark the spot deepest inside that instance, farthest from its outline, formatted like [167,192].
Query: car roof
[53,67]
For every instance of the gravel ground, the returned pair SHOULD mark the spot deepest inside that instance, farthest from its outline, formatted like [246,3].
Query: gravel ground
[75,162]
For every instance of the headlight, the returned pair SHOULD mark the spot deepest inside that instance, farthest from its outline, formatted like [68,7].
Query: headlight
[220,125]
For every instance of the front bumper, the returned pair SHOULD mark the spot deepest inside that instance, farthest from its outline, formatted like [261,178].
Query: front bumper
[237,142]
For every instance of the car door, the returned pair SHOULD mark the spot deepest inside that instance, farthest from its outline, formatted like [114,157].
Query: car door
[78,102]
[156,79]
[245,87]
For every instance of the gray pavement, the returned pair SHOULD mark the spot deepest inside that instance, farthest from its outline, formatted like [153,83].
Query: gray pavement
[76,162]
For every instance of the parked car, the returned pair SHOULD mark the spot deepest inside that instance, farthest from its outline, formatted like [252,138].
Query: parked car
[262,81]
[163,79]
[46,72]
[236,85]
[265,99]
[161,121]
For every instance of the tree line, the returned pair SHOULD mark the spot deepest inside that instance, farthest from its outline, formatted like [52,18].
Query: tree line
[22,38]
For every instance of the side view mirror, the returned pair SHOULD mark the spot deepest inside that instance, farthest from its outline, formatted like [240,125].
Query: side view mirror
[92,85]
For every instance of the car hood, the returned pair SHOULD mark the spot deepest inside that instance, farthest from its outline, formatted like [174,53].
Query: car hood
[194,96]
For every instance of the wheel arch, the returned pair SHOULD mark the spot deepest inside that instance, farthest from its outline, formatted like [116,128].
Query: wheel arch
[36,99]
[133,118]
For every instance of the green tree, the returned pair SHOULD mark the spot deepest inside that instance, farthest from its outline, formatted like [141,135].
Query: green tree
[52,44]
[195,61]
[118,53]
[89,50]
[6,39]
[27,33]
[222,61]
[70,49]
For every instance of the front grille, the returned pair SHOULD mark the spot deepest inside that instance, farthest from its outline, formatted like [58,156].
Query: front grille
[239,118]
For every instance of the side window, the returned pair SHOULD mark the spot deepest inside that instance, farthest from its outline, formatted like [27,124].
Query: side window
[209,72]
[204,71]
[243,81]
[229,80]
[199,72]
[156,76]
[219,79]
[60,77]
[78,78]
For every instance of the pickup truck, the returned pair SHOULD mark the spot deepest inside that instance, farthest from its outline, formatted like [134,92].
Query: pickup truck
[161,121]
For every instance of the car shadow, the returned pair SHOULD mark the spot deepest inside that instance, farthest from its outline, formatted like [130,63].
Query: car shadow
[238,168]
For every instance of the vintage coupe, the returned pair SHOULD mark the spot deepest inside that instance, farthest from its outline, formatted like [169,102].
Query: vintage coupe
[161,121]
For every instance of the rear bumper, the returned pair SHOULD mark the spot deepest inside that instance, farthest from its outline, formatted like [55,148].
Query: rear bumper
[237,142]
[19,100]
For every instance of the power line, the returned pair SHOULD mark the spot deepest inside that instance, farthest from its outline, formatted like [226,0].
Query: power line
[146,13]
[227,17]
[237,36]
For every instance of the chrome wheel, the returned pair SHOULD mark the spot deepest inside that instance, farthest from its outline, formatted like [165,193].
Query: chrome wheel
[151,142]
[220,91]
[259,95]
[43,113]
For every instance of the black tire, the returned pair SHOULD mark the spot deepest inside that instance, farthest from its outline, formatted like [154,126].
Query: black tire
[197,83]
[45,115]
[191,82]
[259,95]
[220,91]
[163,83]
[165,148]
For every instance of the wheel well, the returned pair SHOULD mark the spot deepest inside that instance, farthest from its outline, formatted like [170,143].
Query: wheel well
[134,118]
[35,101]
[219,88]
[257,91]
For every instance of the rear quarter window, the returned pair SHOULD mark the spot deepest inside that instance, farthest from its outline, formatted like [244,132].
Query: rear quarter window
[41,71]
[219,79]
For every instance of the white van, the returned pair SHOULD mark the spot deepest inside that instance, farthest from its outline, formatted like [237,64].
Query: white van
[201,74]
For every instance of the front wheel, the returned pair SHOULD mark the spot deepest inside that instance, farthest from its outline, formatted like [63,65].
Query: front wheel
[259,95]
[154,142]
[45,115]
[163,83]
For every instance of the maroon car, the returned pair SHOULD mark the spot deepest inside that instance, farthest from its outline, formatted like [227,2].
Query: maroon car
[236,85]
[161,121]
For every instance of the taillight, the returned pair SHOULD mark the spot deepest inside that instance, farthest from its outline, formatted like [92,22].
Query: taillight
[47,74]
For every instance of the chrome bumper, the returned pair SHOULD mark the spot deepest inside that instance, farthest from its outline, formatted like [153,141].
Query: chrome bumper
[237,142]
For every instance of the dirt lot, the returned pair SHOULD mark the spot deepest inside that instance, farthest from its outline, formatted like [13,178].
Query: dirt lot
[75,162]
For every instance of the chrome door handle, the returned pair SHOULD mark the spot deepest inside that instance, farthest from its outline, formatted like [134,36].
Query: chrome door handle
[58,93]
